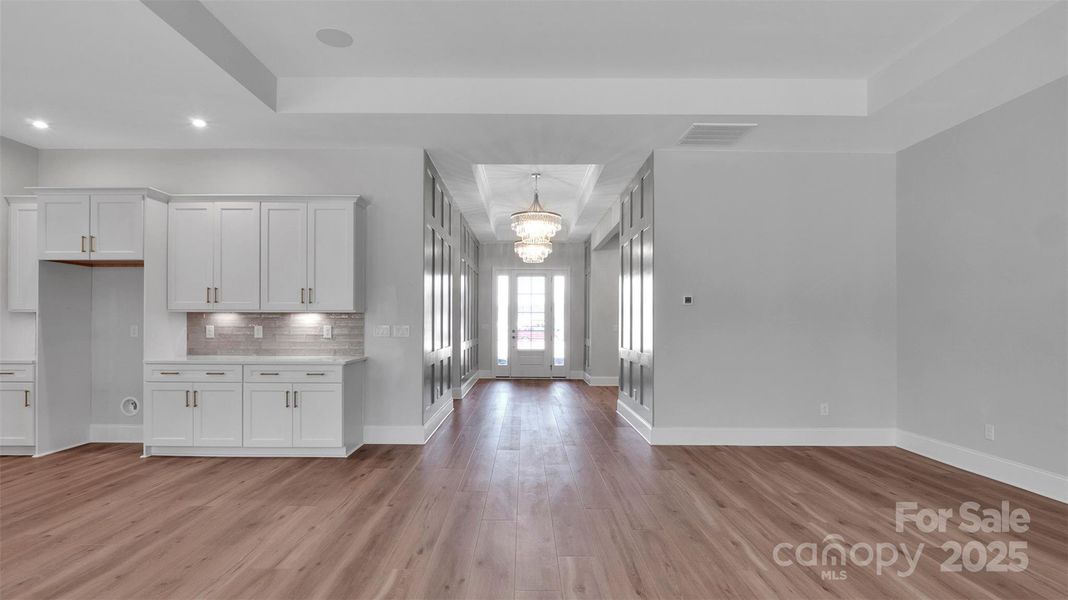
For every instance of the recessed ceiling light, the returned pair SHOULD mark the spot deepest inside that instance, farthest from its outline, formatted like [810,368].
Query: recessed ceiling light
[198,122]
[39,124]
[335,38]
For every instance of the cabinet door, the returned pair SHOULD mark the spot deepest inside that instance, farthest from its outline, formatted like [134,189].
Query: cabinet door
[116,227]
[237,256]
[283,256]
[16,414]
[168,414]
[330,256]
[22,258]
[268,415]
[63,227]
[217,414]
[317,418]
[190,230]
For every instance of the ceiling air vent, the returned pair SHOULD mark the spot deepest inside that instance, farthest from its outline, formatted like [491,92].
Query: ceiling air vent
[714,134]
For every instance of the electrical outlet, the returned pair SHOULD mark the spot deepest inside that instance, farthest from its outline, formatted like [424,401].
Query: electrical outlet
[209,331]
[825,409]
[989,432]
[381,330]
[401,331]
[257,331]
[328,332]
[134,331]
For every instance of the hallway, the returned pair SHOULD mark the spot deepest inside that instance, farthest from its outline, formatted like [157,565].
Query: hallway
[531,489]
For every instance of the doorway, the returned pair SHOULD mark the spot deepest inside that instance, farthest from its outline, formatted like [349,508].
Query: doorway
[531,325]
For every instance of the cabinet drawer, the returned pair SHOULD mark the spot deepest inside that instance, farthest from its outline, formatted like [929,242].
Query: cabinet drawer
[185,372]
[10,372]
[293,373]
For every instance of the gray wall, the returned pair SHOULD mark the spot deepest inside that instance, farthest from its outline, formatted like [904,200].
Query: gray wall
[116,358]
[791,261]
[604,317]
[18,170]
[981,282]
[502,256]
[390,178]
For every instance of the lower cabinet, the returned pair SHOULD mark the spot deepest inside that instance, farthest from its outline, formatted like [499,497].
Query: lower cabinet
[16,414]
[303,415]
[193,414]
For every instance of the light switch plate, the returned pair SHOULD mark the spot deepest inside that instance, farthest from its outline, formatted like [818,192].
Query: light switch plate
[209,331]
[381,330]
[402,331]
[257,331]
[328,332]
[134,331]
[989,433]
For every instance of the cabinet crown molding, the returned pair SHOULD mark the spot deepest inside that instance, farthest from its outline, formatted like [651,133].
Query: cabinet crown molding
[149,192]
[359,200]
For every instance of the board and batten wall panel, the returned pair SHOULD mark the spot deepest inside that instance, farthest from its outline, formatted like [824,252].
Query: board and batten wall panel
[438,232]
[388,178]
[790,258]
[982,269]
[636,294]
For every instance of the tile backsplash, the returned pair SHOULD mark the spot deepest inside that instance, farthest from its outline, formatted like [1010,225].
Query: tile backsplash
[284,334]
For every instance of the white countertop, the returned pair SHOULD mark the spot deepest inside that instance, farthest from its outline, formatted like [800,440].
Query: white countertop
[259,360]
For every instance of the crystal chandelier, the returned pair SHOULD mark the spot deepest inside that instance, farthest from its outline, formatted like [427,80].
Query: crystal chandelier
[536,224]
[533,252]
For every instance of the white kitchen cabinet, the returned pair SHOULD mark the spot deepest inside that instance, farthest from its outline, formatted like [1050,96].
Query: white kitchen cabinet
[213,256]
[168,414]
[268,415]
[193,414]
[91,224]
[317,414]
[284,256]
[217,414]
[331,257]
[22,254]
[17,401]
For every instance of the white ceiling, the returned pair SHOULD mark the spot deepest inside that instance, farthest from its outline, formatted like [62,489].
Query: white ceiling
[901,71]
[505,189]
[650,38]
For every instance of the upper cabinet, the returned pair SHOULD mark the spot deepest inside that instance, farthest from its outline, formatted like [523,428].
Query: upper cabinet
[300,254]
[22,254]
[90,224]
[213,256]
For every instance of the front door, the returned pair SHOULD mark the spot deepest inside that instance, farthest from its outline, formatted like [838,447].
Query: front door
[530,324]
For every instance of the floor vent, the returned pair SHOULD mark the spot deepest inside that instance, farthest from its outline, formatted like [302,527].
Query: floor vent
[715,134]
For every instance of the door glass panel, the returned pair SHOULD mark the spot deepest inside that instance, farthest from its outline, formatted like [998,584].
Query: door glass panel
[559,345]
[502,320]
[530,313]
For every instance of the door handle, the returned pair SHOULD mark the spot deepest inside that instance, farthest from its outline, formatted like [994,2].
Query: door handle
[187,398]
[195,393]
[287,398]
[26,402]
[83,243]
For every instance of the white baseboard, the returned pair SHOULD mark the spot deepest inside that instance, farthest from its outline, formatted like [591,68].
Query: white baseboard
[1032,479]
[340,452]
[116,434]
[577,375]
[16,450]
[772,436]
[600,380]
[635,420]
[460,392]
[485,374]
[55,450]
[435,421]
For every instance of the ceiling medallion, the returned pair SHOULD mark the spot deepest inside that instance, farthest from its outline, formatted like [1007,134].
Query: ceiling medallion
[535,227]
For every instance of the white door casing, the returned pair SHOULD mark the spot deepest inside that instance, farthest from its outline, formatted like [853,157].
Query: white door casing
[529,349]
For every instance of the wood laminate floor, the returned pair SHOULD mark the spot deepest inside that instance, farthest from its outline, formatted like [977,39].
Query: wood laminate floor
[530,490]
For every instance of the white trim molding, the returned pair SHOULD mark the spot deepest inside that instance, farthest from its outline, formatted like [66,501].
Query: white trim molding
[1032,479]
[635,420]
[460,392]
[600,380]
[773,436]
[115,434]
[435,421]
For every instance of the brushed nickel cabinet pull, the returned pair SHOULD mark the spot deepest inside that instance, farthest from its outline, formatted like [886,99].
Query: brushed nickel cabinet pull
[215,373]
[83,243]
[187,398]
[216,297]
[92,243]
[170,372]
[195,394]
[295,398]
[207,295]
[7,372]
[265,373]
[287,398]
[309,295]
[26,402]
[302,295]
[315,373]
